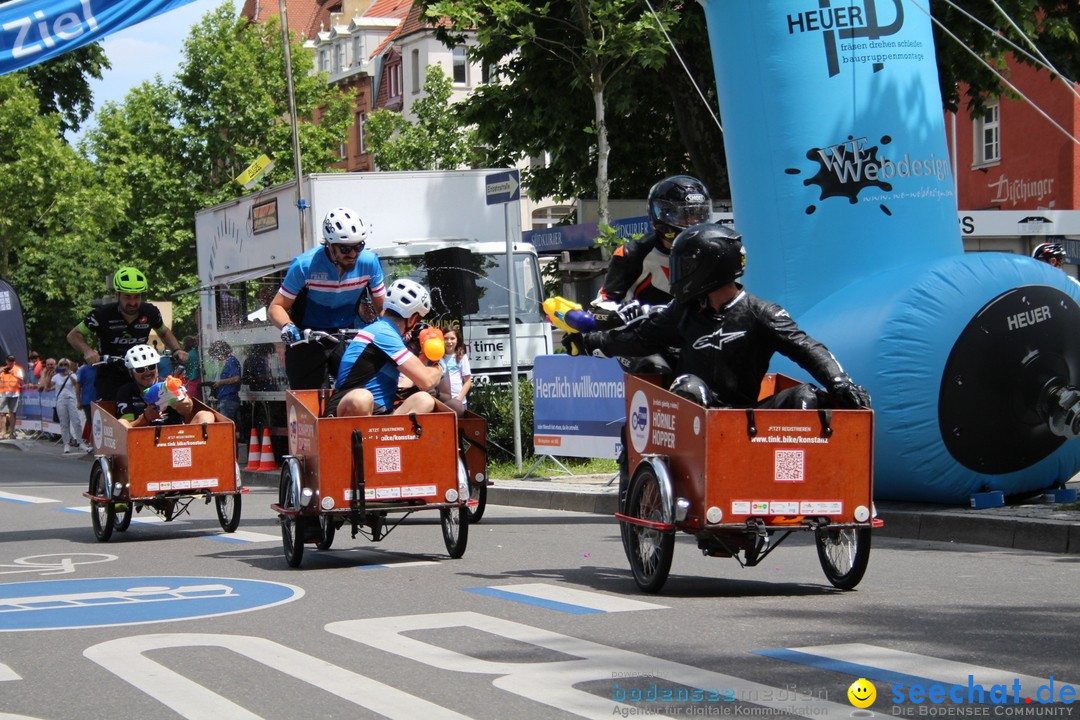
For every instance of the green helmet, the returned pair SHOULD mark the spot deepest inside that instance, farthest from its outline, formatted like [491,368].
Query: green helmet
[129,280]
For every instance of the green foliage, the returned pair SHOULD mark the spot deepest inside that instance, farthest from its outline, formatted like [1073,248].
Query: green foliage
[171,149]
[496,404]
[437,141]
[63,84]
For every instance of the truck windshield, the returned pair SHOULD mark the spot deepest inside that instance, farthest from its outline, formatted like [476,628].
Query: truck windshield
[488,272]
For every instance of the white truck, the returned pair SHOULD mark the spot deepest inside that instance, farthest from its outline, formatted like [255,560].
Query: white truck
[434,226]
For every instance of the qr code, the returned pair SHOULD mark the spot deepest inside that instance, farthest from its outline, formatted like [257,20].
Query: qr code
[181,457]
[387,459]
[789,466]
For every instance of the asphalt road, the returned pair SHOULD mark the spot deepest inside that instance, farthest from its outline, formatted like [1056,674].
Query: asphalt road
[539,619]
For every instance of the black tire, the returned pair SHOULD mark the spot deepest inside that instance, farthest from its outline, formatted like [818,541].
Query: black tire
[477,492]
[649,551]
[844,554]
[123,513]
[292,526]
[329,530]
[102,514]
[228,511]
[168,509]
[455,530]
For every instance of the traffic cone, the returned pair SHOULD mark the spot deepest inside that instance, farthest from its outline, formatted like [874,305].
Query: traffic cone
[253,452]
[266,459]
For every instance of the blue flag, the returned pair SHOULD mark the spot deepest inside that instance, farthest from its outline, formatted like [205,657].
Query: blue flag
[33,31]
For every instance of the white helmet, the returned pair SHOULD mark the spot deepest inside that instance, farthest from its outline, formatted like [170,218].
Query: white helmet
[140,356]
[406,297]
[344,226]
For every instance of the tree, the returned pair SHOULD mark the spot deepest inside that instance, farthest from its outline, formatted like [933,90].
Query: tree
[174,148]
[589,43]
[1052,27]
[436,142]
[63,84]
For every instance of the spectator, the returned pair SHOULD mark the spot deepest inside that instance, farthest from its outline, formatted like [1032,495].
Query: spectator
[86,376]
[227,387]
[66,385]
[36,367]
[12,379]
[257,375]
[47,373]
[165,364]
[457,378]
[194,366]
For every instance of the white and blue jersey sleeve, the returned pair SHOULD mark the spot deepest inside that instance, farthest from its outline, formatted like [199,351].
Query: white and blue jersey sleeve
[331,297]
[371,361]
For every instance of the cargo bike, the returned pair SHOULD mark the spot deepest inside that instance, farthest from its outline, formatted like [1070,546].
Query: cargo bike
[162,469]
[370,473]
[740,481]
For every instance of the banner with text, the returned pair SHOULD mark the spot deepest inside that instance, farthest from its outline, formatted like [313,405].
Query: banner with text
[33,31]
[579,406]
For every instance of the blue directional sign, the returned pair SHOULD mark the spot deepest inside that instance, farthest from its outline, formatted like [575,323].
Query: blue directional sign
[502,187]
[100,602]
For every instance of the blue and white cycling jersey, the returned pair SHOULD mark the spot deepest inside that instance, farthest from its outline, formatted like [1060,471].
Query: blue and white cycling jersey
[331,297]
[371,361]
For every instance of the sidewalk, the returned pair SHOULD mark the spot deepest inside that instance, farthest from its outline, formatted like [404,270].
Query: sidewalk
[1033,525]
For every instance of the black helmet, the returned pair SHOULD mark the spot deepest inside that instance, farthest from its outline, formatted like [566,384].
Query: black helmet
[705,257]
[678,202]
[1047,250]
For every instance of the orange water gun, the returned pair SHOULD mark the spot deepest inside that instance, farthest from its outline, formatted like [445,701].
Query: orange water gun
[432,344]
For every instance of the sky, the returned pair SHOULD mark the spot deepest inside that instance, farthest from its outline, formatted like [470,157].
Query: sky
[153,47]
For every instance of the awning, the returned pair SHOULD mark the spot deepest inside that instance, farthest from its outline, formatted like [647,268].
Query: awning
[235,278]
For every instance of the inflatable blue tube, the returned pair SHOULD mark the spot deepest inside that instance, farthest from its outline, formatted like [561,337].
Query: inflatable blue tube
[955,353]
[835,140]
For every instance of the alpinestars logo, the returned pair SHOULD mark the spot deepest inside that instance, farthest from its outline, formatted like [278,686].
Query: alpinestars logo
[851,22]
[717,339]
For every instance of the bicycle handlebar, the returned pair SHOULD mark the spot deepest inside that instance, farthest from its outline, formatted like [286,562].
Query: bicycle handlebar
[309,336]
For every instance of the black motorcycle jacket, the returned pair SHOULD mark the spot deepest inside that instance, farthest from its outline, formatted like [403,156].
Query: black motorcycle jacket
[729,349]
[639,270]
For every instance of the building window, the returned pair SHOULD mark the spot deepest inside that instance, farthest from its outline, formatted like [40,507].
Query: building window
[339,57]
[461,66]
[988,136]
[359,54]
[395,80]
[485,73]
[361,118]
[343,151]
[324,60]
[415,70]
[545,217]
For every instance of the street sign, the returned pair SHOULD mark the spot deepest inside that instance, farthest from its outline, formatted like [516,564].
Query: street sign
[254,171]
[100,602]
[503,187]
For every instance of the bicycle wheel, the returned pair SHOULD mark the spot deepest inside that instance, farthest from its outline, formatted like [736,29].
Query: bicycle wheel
[123,513]
[455,530]
[329,530]
[648,550]
[844,554]
[228,511]
[292,526]
[102,514]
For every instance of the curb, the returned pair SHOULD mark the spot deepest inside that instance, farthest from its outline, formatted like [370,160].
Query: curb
[951,526]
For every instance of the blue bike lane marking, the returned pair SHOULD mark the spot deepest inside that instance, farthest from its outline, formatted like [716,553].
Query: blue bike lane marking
[104,602]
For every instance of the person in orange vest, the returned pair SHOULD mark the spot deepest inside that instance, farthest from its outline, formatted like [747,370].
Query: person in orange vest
[12,378]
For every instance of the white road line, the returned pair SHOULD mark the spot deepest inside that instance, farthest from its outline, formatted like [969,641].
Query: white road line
[556,597]
[135,519]
[947,672]
[7,673]
[244,536]
[26,499]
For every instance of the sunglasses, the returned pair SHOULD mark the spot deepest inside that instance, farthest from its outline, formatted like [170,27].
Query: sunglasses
[144,370]
[348,249]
